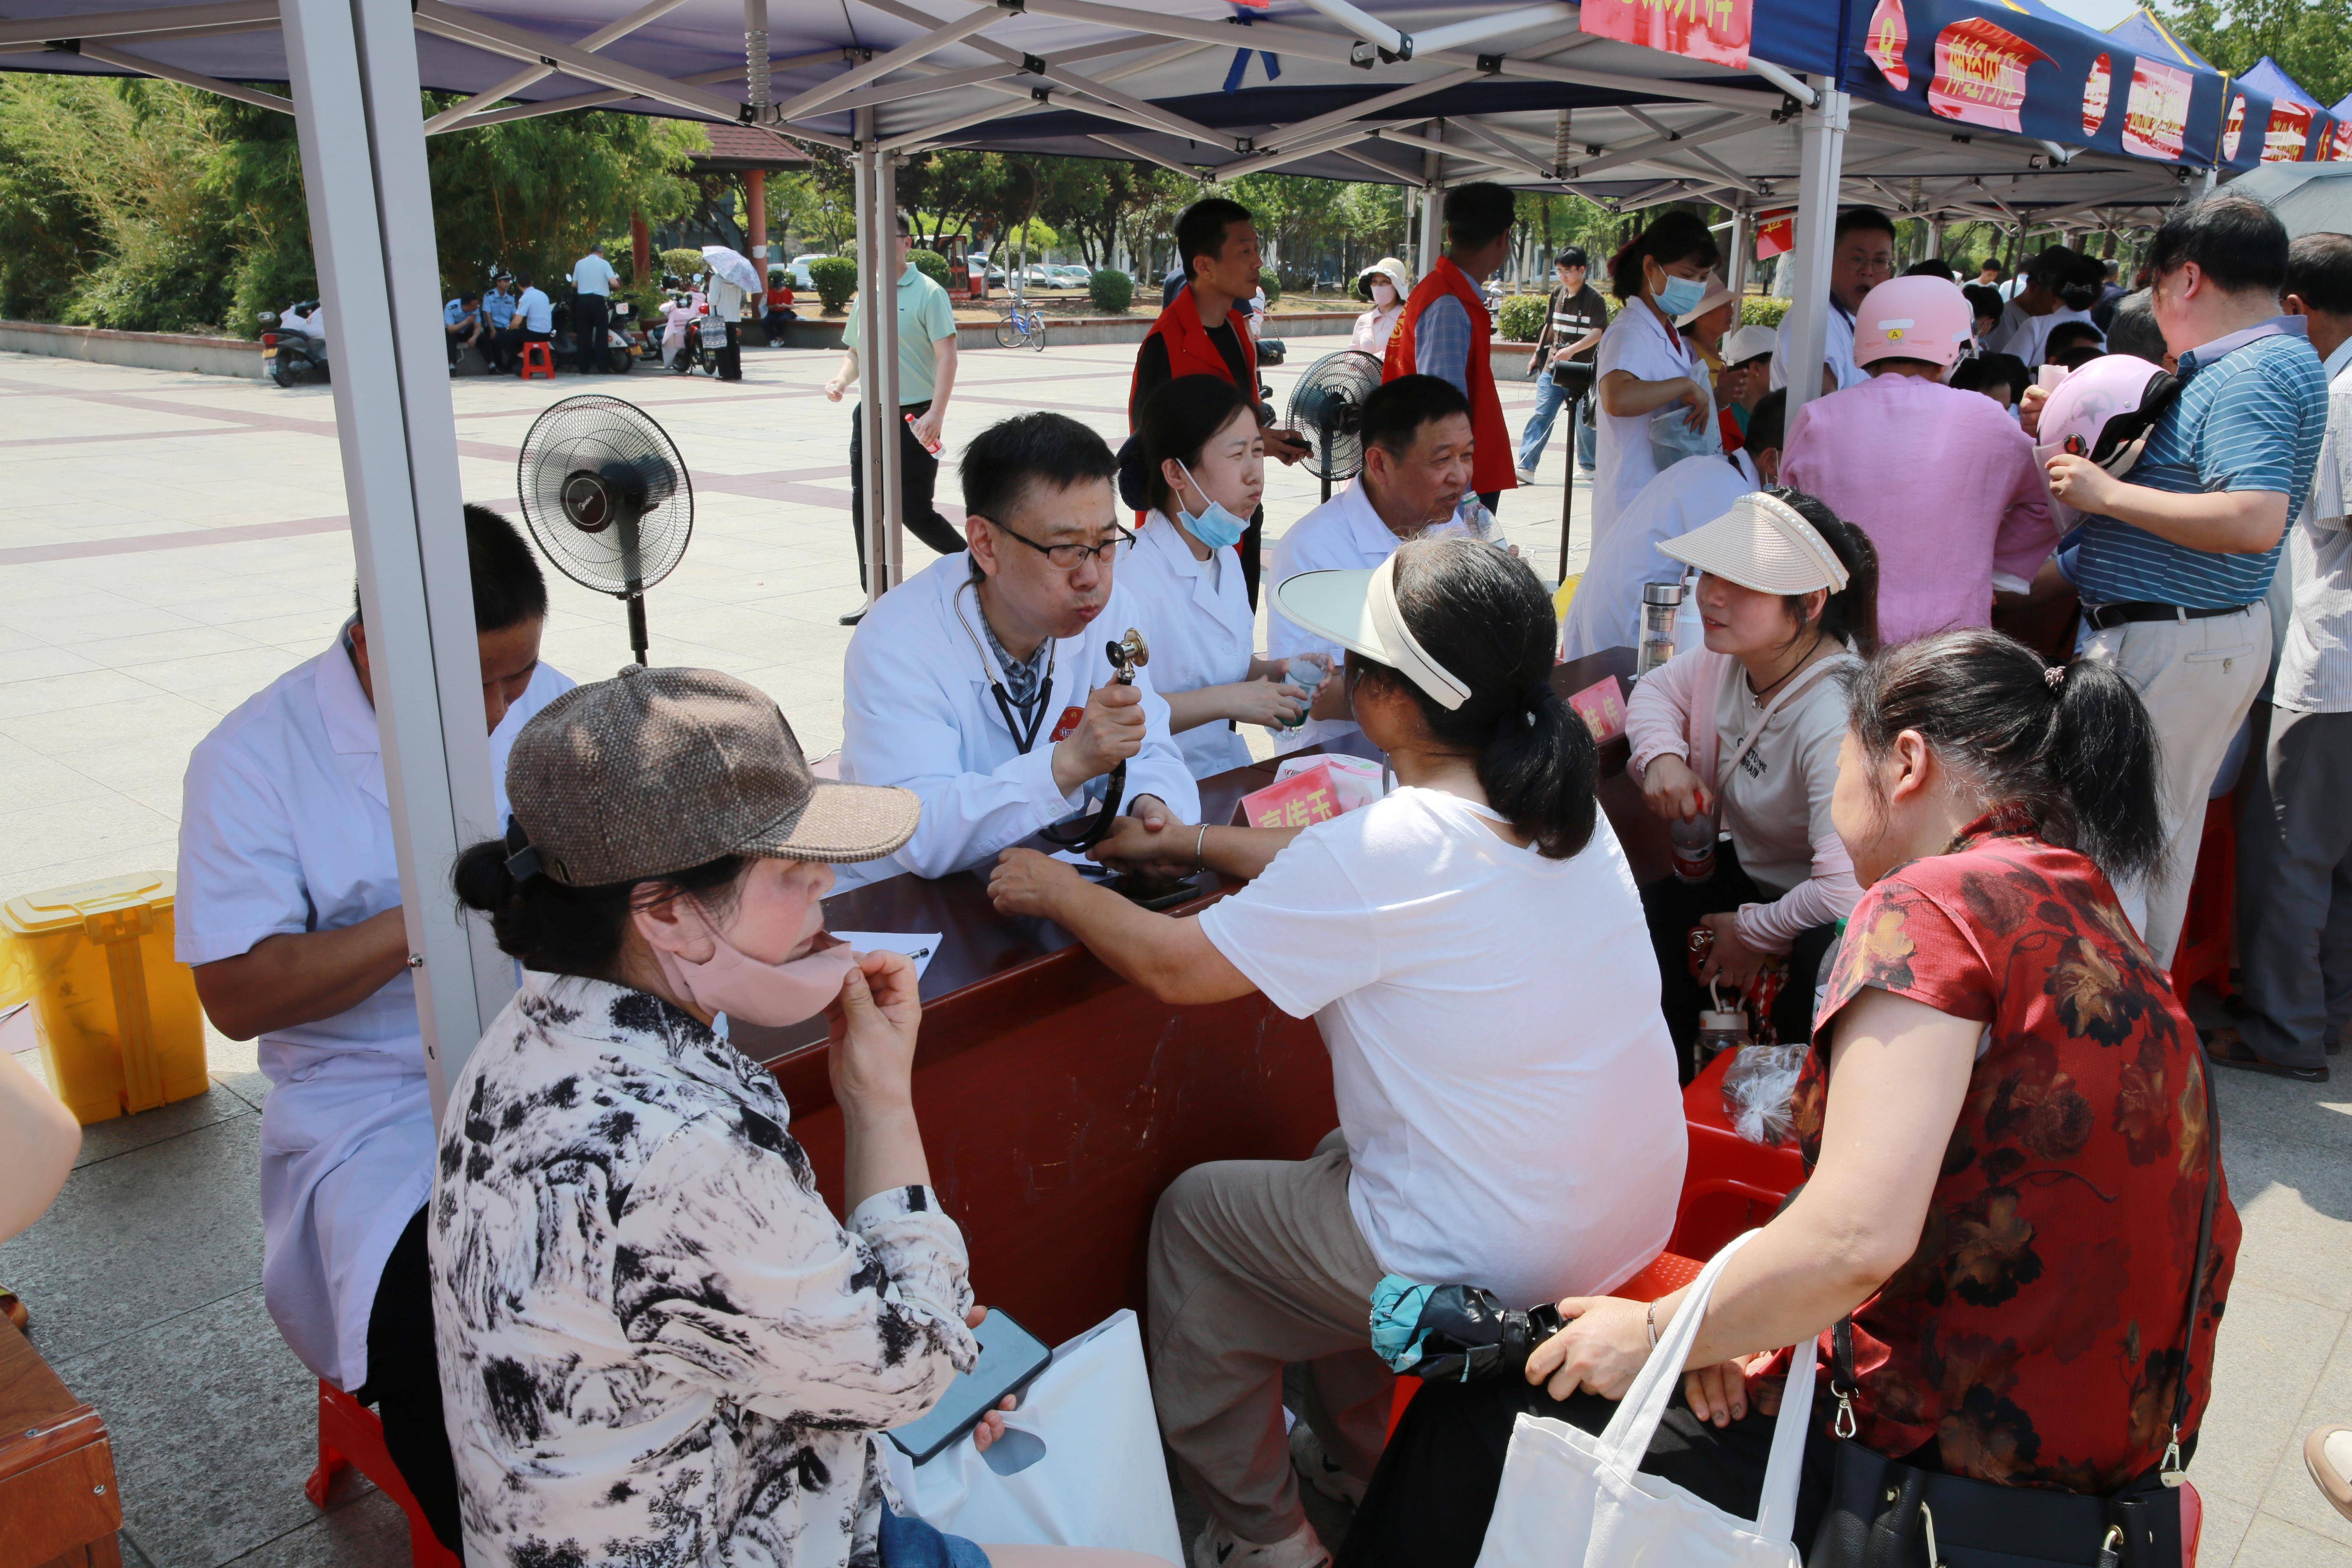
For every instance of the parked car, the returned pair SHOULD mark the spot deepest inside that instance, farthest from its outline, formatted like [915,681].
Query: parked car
[1074,276]
[800,268]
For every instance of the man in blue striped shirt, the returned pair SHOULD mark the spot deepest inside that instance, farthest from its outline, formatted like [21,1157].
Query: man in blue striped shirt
[2172,563]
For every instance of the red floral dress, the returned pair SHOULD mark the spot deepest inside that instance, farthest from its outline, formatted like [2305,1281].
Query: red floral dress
[2036,1334]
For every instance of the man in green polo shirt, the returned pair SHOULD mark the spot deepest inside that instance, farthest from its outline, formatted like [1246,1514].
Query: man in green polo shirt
[927,371]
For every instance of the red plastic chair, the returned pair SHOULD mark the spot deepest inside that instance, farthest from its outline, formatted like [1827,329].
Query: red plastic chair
[2203,953]
[537,362]
[350,1433]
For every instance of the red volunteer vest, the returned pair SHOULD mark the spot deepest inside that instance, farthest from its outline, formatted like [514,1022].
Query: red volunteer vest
[1190,352]
[1490,467]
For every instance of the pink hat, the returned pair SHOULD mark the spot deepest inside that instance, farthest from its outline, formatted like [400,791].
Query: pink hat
[1923,318]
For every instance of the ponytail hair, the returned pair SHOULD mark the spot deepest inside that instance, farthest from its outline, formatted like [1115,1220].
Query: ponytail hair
[1482,615]
[1850,614]
[1677,236]
[2069,745]
[558,929]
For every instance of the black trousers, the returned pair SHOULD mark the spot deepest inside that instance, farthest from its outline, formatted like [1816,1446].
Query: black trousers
[404,1383]
[731,358]
[589,313]
[1434,1490]
[1674,906]
[510,341]
[919,475]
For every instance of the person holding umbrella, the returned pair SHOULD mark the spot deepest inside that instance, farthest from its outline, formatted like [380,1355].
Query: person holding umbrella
[732,281]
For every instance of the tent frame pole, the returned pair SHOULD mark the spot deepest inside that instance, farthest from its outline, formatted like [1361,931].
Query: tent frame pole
[356,97]
[1820,139]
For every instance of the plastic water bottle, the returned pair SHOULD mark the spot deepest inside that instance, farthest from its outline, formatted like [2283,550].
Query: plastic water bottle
[930,447]
[1303,672]
[1475,513]
[1694,846]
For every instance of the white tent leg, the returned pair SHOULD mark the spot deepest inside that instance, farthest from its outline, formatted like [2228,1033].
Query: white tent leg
[1821,140]
[886,368]
[1432,200]
[1743,249]
[877,314]
[354,64]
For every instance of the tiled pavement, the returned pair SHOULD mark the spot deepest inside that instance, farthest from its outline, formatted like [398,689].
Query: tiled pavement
[169,543]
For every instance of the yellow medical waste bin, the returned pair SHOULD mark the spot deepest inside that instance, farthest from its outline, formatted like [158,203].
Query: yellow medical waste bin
[120,1025]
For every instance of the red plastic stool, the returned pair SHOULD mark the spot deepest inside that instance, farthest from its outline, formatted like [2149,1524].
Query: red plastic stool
[2203,951]
[1664,1275]
[350,1433]
[537,361]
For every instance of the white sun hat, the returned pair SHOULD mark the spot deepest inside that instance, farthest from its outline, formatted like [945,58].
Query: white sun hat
[1358,610]
[1762,544]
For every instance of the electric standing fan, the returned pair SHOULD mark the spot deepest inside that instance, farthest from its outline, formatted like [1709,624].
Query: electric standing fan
[607,497]
[1327,407]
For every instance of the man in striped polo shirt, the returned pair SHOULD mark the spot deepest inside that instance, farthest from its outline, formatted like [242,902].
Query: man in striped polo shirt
[2172,564]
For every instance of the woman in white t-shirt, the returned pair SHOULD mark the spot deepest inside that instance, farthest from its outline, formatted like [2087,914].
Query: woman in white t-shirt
[1742,735]
[1203,461]
[1472,949]
[1647,371]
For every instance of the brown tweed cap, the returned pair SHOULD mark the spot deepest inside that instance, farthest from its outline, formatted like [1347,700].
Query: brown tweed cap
[657,770]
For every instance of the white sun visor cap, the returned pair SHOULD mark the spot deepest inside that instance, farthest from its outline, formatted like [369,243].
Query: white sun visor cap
[1761,544]
[1358,610]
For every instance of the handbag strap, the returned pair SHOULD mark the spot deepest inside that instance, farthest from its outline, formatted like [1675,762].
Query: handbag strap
[1626,1439]
[1844,1385]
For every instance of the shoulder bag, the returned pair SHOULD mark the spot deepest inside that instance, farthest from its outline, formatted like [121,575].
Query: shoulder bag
[1884,1513]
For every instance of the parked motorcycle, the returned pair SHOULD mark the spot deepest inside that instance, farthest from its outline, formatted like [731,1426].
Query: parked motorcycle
[290,354]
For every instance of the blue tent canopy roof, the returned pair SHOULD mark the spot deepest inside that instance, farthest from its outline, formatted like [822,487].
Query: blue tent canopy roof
[2274,84]
[2144,33]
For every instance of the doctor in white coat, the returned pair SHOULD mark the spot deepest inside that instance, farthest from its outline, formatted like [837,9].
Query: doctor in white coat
[982,683]
[289,908]
[1204,462]
[1417,457]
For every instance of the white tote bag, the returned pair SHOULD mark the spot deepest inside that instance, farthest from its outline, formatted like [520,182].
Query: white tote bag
[1569,1498]
[1079,1463]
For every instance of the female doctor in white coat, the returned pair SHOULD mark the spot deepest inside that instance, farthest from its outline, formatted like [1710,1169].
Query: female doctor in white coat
[1203,470]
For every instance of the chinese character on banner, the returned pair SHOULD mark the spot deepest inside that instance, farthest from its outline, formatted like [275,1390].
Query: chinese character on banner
[1716,31]
[1889,33]
[2234,129]
[2289,131]
[1299,801]
[2339,141]
[2098,88]
[1776,236]
[2155,113]
[1601,706]
[1980,74]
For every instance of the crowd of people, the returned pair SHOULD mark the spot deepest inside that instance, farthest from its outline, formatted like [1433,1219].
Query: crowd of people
[604,1314]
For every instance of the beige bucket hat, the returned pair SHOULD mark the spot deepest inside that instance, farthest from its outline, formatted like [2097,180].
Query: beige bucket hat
[657,770]
[1396,274]
[1762,544]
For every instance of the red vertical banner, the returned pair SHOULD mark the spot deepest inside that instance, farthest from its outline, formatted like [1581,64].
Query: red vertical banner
[1980,74]
[2289,133]
[1890,34]
[2098,90]
[1716,31]
[2155,114]
[2339,141]
[2234,129]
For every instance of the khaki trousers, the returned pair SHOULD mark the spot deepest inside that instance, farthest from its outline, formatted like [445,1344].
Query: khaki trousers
[2198,679]
[1257,1264]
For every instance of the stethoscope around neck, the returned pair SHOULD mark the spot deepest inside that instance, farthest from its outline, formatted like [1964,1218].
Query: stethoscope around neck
[1023,720]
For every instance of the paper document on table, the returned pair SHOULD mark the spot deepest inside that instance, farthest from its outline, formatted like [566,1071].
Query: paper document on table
[921,945]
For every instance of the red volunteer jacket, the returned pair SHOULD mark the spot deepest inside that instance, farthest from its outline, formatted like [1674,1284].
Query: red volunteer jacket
[1490,468]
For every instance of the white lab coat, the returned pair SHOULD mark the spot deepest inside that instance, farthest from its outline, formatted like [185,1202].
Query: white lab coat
[1343,535]
[917,712]
[2026,335]
[286,827]
[1607,609]
[1837,351]
[1201,628]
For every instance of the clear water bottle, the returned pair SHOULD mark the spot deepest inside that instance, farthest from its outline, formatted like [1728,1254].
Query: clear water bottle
[1303,672]
[1660,603]
[1694,847]
[1475,513]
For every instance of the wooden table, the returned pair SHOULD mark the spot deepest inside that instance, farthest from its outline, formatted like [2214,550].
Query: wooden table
[57,1502]
[1058,1101]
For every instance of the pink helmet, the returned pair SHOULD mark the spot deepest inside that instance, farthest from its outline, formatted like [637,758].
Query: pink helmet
[2105,410]
[1919,318]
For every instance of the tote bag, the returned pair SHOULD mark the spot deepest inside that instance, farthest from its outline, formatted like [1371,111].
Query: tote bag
[1079,1463]
[1571,1499]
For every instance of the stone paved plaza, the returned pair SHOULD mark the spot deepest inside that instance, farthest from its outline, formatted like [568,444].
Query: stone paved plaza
[171,543]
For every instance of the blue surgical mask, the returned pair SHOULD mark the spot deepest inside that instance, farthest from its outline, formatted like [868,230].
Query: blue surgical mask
[1216,527]
[1681,296]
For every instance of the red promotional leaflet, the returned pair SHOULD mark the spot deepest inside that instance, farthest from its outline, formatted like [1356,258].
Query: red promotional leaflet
[1603,707]
[2234,129]
[1980,74]
[1301,800]
[1716,31]
[1776,236]
[2098,88]
[2289,132]
[1889,33]
[2155,114]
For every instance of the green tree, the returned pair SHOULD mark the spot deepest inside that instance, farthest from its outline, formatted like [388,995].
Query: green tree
[2311,39]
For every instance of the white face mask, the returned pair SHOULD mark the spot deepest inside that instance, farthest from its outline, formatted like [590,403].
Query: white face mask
[1383,295]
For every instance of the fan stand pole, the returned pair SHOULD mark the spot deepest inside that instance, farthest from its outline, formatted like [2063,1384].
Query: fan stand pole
[636,597]
[1323,456]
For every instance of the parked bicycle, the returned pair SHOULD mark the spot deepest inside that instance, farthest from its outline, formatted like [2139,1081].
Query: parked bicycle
[1021,324]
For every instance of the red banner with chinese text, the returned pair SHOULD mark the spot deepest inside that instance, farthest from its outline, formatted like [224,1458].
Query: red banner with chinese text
[2339,143]
[1716,31]
[1980,74]
[1776,236]
[1890,35]
[2098,88]
[2155,114]
[2289,133]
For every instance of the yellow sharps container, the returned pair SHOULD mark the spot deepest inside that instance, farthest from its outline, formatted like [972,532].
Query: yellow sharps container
[120,1025]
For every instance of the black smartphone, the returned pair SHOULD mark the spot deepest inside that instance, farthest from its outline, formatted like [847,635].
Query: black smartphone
[1011,1357]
